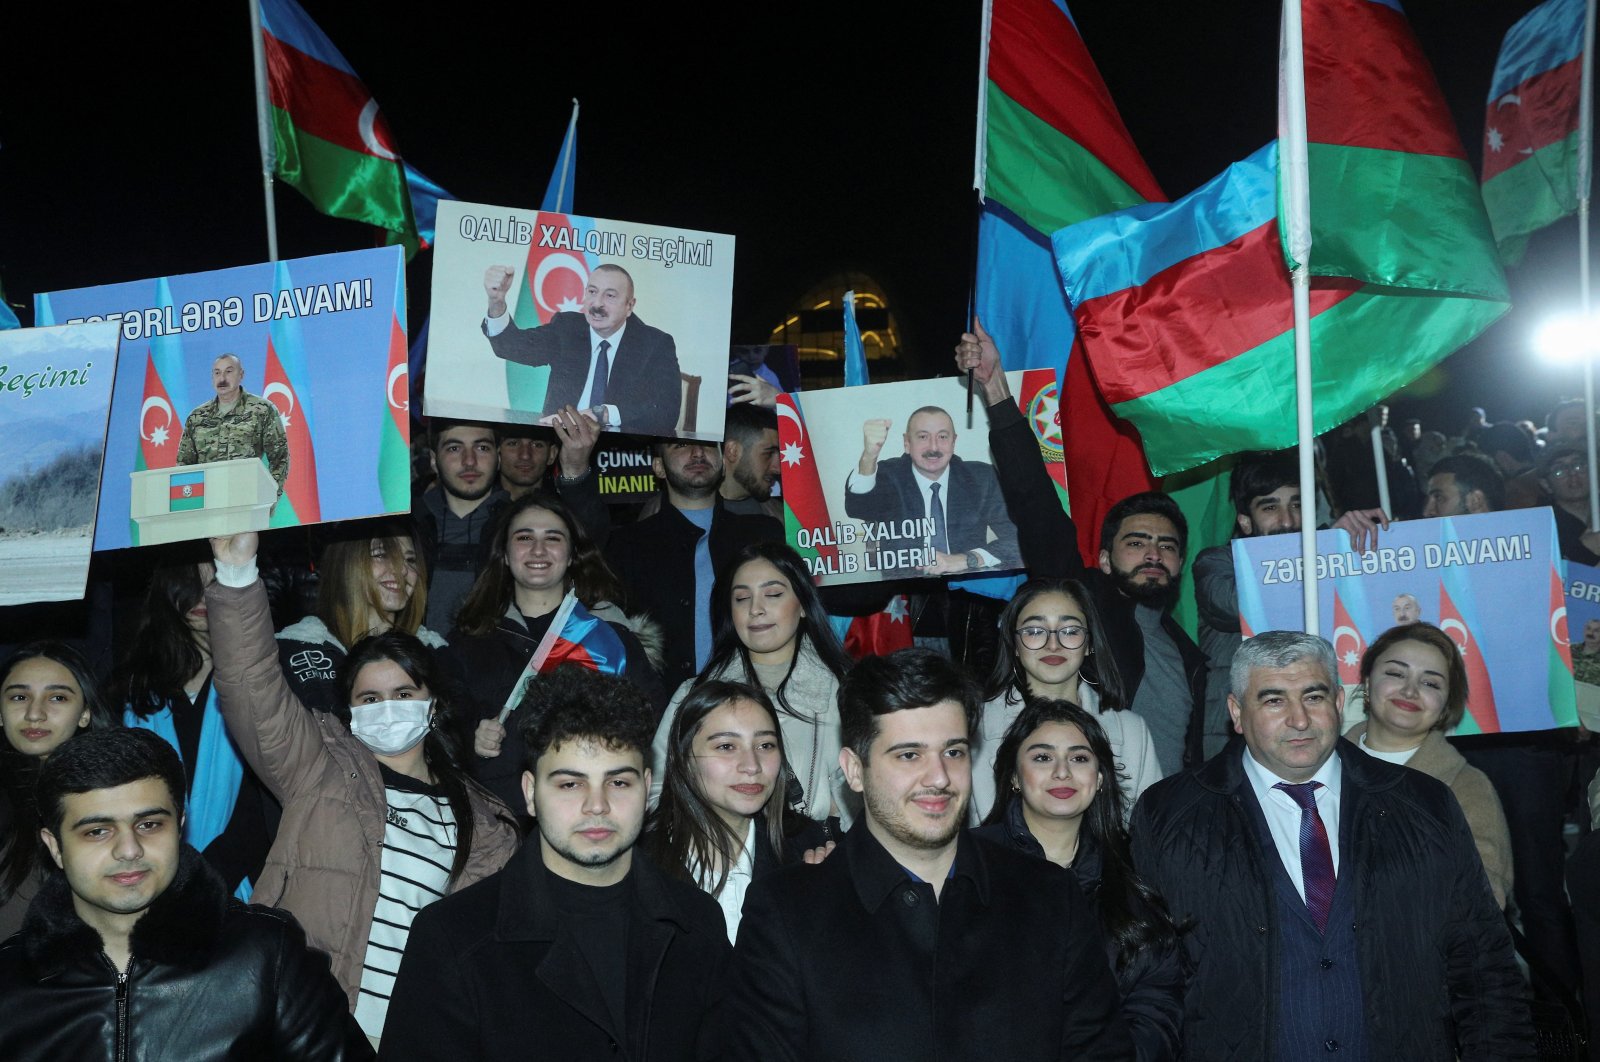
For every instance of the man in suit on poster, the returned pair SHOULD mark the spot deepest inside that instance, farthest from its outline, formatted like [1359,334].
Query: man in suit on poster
[603,360]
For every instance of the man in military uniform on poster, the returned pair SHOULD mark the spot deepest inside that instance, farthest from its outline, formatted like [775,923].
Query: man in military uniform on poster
[235,424]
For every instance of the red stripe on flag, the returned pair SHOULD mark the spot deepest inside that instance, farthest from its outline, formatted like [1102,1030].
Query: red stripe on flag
[1480,691]
[1038,59]
[1104,459]
[398,393]
[1368,83]
[565,651]
[1201,320]
[160,426]
[186,490]
[324,101]
[1541,111]
[281,391]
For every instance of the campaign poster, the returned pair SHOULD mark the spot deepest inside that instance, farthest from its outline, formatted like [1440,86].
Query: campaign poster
[886,481]
[1583,623]
[534,311]
[256,397]
[625,471]
[55,395]
[1489,580]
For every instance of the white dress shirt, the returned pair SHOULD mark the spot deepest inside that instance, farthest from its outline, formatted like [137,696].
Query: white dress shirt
[1283,814]
[856,483]
[731,899]
[493,326]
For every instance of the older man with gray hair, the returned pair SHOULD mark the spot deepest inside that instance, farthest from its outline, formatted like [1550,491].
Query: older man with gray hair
[1339,906]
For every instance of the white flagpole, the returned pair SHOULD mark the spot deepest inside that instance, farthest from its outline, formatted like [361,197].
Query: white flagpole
[567,144]
[1294,183]
[980,151]
[1381,466]
[1585,156]
[269,147]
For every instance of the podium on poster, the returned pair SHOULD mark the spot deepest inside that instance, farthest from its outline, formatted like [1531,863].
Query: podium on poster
[187,502]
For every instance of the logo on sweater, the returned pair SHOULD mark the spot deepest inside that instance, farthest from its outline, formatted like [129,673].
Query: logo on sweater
[394,818]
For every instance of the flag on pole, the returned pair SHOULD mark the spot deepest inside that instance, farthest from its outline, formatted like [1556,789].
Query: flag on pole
[575,636]
[333,144]
[564,177]
[425,194]
[855,354]
[1052,150]
[1530,134]
[1185,309]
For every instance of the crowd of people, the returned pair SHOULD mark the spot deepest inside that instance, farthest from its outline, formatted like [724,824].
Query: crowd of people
[365,805]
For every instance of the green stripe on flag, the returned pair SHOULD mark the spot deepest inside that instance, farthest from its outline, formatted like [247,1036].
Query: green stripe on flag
[1363,348]
[791,533]
[1047,179]
[1401,220]
[341,182]
[394,468]
[1533,193]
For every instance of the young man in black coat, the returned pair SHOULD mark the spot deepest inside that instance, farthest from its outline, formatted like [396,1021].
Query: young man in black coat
[135,949]
[576,949]
[914,940]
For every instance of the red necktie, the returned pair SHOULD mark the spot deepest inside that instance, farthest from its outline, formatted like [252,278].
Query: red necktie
[1316,855]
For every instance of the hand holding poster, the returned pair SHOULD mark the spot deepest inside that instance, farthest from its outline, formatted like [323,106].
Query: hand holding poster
[536,311]
[55,395]
[1488,580]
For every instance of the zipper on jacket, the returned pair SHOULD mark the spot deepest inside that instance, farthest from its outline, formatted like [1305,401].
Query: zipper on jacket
[121,1054]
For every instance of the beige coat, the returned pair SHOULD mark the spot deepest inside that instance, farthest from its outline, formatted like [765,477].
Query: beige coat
[324,866]
[1437,758]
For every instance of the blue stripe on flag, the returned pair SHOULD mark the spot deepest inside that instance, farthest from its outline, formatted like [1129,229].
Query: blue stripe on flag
[186,479]
[288,22]
[1543,39]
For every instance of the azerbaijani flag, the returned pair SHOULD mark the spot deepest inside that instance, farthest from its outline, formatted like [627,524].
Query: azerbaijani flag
[1185,308]
[1348,645]
[1052,150]
[333,144]
[1530,135]
[553,280]
[160,420]
[1563,693]
[286,383]
[576,636]
[805,509]
[855,353]
[1482,716]
[186,490]
[394,446]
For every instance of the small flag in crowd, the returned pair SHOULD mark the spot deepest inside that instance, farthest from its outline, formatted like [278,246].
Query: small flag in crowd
[576,636]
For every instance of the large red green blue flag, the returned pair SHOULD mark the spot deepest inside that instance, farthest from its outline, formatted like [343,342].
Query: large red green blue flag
[1052,151]
[1530,135]
[333,144]
[1185,308]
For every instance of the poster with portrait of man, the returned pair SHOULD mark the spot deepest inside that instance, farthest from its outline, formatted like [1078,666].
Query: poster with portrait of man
[535,311]
[1489,580]
[55,395]
[886,481]
[257,397]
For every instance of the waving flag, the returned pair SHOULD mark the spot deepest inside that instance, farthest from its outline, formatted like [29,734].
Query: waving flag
[1052,150]
[1185,308]
[1530,135]
[855,353]
[333,144]
[576,636]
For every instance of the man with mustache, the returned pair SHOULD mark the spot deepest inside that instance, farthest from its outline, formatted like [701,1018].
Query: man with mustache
[914,939]
[235,424]
[956,504]
[608,363]
[1340,907]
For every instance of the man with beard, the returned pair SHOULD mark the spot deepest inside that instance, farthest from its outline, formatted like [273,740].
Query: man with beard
[904,943]
[750,461]
[1143,541]
[619,371]
[956,502]
[575,949]
[453,514]
[668,561]
[528,452]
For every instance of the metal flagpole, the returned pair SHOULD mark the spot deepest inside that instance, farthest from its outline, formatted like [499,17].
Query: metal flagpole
[269,147]
[1295,188]
[1585,155]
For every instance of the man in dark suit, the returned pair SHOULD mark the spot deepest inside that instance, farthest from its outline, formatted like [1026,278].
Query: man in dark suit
[915,940]
[953,504]
[605,361]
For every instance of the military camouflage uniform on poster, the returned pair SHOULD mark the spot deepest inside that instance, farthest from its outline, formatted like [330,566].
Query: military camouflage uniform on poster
[252,428]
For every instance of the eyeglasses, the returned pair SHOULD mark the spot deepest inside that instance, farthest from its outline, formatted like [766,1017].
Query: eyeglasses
[1038,637]
[1569,470]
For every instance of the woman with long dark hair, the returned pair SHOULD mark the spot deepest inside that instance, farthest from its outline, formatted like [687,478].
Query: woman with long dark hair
[165,685]
[722,821]
[380,817]
[367,583]
[772,632]
[47,694]
[1051,646]
[1058,799]
[538,554]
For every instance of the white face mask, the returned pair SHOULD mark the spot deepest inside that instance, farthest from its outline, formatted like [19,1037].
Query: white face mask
[389,728]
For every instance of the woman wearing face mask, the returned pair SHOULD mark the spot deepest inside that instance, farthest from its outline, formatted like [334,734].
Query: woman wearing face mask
[1414,689]
[367,584]
[1050,647]
[47,694]
[379,817]
[722,821]
[772,632]
[538,554]
[1055,775]
[165,685]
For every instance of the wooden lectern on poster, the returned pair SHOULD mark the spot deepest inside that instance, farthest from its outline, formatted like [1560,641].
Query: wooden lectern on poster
[187,502]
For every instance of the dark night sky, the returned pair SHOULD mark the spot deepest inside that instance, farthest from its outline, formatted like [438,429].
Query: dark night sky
[823,135]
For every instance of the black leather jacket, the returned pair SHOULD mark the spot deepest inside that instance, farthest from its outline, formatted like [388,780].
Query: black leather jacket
[210,979]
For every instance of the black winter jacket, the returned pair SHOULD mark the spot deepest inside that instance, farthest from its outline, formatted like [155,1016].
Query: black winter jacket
[1437,971]
[211,979]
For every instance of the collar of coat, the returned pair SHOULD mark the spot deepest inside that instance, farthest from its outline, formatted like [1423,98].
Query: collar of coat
[177,929]
[877,875]
[528,912]
[1224,772]
[1086,864]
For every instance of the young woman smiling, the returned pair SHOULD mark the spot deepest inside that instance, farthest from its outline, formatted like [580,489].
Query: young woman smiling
[1414,687]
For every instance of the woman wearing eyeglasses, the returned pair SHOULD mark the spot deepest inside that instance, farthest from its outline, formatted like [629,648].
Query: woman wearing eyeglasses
[1049,647]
